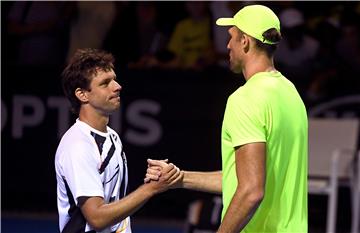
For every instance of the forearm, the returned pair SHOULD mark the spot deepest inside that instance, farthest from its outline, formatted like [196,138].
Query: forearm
[203,181]
[241,209]
[102,215]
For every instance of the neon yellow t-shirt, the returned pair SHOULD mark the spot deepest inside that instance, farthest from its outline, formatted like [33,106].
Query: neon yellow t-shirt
[269,109]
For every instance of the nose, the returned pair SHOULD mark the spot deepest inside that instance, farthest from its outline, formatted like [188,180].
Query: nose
[118,87]
[229,39]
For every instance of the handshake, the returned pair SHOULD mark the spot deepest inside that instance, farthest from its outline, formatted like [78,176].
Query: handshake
[161,175]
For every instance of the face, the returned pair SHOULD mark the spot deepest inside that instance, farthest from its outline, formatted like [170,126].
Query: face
[104,92]
[235,50]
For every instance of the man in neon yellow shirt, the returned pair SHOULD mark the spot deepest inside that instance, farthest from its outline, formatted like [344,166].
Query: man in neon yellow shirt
[264,137]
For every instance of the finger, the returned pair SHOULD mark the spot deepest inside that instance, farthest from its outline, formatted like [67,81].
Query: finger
[177,180]
[154,171]
[175,175]
[175,167]
[152,177]
[155,167]
[168,168]
[158,163]
[163,160]
[168,172]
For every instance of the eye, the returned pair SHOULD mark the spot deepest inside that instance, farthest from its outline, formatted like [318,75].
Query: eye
[105,82]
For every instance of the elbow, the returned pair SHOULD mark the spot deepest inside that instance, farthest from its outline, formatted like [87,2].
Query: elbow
[96,225]
[256,196]
[253,195]
[96,213]
[99,224]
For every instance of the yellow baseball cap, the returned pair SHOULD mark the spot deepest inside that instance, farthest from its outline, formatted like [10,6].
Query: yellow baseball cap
[254,20]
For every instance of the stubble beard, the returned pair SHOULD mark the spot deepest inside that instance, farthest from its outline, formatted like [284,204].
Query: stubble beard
[111,108]
[235,67]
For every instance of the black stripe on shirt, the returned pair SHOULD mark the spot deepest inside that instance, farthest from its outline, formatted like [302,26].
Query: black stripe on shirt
[99,141]
[108,157]
[77,221]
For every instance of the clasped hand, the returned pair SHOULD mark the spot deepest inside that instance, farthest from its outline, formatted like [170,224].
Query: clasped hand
[163,172]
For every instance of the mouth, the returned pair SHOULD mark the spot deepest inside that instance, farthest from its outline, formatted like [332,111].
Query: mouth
[115,97]
[117,94]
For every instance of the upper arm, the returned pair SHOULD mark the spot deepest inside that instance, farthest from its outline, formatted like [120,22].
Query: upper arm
[91,209]
[250,160]
[89,205]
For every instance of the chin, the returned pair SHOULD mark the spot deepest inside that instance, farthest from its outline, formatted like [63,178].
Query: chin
[235,69]
[114,107]
[112,111]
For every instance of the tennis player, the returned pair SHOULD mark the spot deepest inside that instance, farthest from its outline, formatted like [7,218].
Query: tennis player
[91,166]
[264,137]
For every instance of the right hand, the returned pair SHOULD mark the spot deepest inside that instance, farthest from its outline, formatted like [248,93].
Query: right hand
[166,175]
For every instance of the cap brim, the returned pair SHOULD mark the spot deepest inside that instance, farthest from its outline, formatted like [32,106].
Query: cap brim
[225,22]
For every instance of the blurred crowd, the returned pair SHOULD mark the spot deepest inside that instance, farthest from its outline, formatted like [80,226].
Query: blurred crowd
[320,50]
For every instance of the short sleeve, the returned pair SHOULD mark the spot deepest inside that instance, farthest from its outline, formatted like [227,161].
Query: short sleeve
[244,121]
[80,169]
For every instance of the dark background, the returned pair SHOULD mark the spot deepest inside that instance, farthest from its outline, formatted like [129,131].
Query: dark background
[192,105]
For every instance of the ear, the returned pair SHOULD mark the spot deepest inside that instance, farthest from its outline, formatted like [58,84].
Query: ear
[246,43]
[81,94]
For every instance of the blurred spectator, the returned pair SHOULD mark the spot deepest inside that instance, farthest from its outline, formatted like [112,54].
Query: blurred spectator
[326,65]
[150,38]
[39,32]
[89,30]
[191,41]
[297,50]
[348,49]
[150,41]
[119,40]
[348,46]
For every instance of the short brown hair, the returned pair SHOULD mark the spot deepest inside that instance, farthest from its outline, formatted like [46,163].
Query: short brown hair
[79,72]
[271,35]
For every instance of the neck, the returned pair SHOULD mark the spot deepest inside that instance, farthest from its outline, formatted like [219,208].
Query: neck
[256,64]
[94,119]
